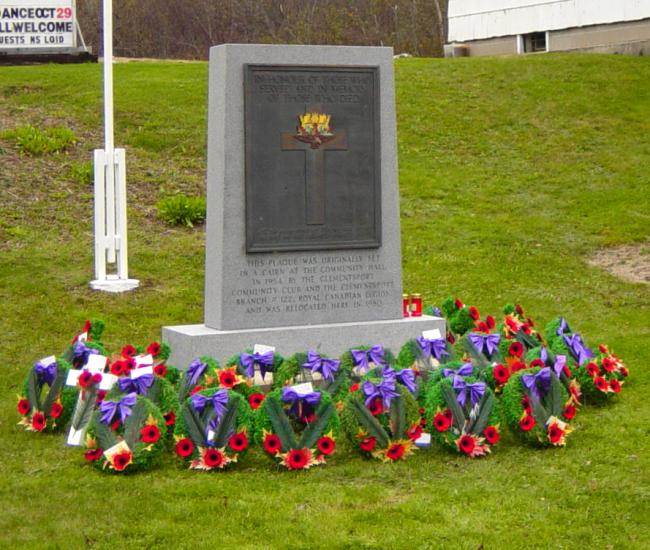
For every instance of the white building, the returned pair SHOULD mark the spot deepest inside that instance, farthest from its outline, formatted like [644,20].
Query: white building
[496,27]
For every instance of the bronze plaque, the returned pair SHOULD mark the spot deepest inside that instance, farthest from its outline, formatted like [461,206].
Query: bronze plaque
[313,177]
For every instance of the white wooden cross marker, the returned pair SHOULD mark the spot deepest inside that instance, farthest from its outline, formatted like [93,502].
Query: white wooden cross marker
[110,188]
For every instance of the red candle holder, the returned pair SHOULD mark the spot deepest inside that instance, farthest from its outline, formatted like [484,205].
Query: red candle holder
[416,305]
[406,305]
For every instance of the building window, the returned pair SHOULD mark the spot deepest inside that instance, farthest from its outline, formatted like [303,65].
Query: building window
[534,42]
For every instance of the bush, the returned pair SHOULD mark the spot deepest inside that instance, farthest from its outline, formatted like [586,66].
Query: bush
[36,142]
[182,210]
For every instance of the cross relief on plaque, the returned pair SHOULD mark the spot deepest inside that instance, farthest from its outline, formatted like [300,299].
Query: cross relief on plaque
[315,135]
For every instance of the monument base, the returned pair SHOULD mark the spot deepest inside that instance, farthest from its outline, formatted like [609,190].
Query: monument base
[114,284]
[190,341]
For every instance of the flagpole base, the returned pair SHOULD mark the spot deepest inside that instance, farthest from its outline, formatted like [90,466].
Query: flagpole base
[114,284]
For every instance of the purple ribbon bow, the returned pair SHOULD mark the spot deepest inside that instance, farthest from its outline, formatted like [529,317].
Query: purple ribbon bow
[264,360]
[563,327]
[462,388]
[560,363]
[485,343]
[580,352]
[543,354]
[109,409]
[436,347]
[407,377]
[327,367]
[140,385]
[80,353]
[385,390]
[538,383]
[195,371]
[362,358]
[46,373]
[219,400]
[298,401]
[465,370]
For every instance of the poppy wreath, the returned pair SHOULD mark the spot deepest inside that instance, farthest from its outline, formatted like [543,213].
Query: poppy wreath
[361,360]
[563,341]
[482,347]
[154,387]
[244,365]
[464,414]
[298,430]
[602,377]
[517,326]
[125,435]
[214,429]
[160,353]
[87,342]
[425,356]
[537,408]
[201,373]
[460,317]
[318,369]
[511,359]
[564,367]
[46,403]
[381,418]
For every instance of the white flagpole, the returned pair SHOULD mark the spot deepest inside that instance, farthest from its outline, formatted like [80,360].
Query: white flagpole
[110,187]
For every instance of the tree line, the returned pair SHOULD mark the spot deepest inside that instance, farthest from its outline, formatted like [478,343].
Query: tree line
[185,29]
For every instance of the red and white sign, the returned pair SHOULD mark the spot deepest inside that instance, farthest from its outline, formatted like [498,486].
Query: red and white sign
[37,24]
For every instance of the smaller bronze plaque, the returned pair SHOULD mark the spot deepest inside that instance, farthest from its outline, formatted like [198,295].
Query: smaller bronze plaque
[313,177]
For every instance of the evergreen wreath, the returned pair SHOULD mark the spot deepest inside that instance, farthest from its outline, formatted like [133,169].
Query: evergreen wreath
[460,318]
[426,357]
[517,326]
[602,377]
[301,367]
[361,360]
[86,342]
[160,353]
[45,402]
[214,429]
[298,429]
[125,435]
[534,403]
[464,413]
[381,418]
[201,373]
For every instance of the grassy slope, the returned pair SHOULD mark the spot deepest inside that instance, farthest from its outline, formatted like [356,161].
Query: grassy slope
[511,172]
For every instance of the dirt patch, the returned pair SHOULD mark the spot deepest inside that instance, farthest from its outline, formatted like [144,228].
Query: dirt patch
[628,262]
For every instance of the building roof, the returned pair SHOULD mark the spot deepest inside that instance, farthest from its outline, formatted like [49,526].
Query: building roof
[478,19]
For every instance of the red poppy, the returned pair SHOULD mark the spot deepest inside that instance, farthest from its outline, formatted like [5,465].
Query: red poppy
[423,422]
[569,412]
[603,348]
[537,363]
[184,447]
[129,351]
[490,322]
[601,383]
[414,432]
[624,371]
[308,417]
[555,433]
[467,444]
[255,400]
[170,418]
[297,459]
[592,369]
[482,327]
[615,385]
[567,371]
[195,389]
[501,374]
[38,421]
[213,458]
[451,338]
[516,349]
[376,407]
[326,445]
[458,304]
[56,410]
[227,378]
[238,442]
[441,422]
[23,407]
[115,425]
[395,451]
[101,394]
[153,348]
[160,370]
[272,444]
[118,368]
[93,454]
[609,364]
[87,326]
[421,411]
[519,309]
[368,444]
[491,434]
[474,313]
[354,387]
[527,423]
[525,403]
[122,460]
[150,434]
[517,366]
[526,329]
[448,414]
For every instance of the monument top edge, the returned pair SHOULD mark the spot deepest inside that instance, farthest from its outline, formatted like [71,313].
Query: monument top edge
[314,47]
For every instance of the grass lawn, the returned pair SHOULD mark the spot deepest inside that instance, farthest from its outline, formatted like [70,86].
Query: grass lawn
[512,172]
